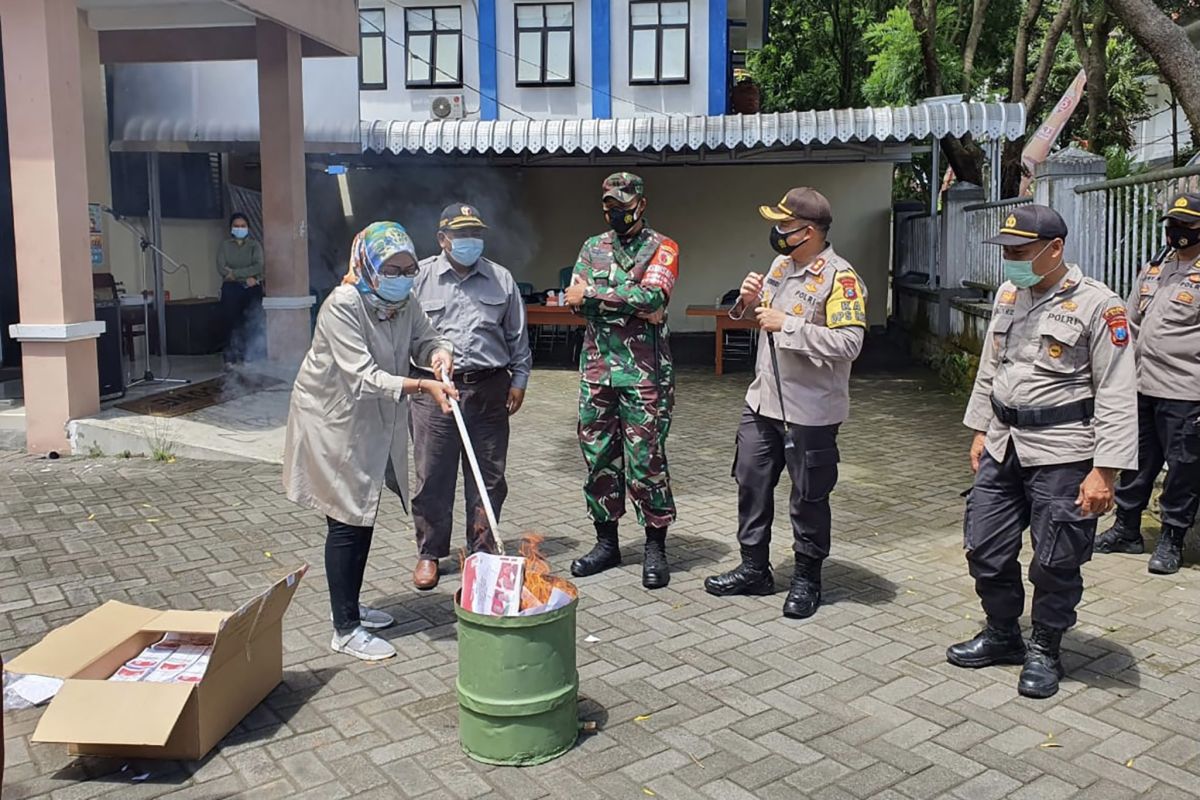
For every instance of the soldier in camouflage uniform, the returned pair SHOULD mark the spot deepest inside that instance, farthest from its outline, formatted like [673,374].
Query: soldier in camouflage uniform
[622,283]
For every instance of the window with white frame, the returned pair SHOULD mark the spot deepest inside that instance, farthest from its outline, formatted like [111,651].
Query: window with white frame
[372,49]
[433,44]
[659,41]
[545,44]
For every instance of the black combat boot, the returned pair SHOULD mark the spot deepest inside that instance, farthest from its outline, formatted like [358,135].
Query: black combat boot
[1043,669]
[804,597]
[605,555]
[752,576]
[1125,535]
[655,572]
[998,643]
[1169,553]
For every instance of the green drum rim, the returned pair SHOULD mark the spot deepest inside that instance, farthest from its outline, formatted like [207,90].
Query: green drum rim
[490,621]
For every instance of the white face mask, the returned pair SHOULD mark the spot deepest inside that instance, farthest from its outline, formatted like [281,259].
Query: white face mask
[239,233]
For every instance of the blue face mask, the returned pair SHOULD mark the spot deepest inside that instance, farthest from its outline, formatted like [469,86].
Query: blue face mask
[1021,274]
[240,233]
[394,289]
[466,251]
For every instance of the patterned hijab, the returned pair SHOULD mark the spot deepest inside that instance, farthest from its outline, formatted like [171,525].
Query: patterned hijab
[374,245]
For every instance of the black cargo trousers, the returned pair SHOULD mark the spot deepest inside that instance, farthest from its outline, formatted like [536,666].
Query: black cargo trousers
[1005,499]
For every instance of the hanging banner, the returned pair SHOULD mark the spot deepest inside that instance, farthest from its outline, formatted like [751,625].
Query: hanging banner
[1039,145]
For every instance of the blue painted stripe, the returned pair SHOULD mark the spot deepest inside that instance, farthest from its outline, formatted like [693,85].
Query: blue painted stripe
[601,59]
[489,107]
[718,56]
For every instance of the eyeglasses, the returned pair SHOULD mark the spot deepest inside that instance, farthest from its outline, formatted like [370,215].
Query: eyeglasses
[389,271]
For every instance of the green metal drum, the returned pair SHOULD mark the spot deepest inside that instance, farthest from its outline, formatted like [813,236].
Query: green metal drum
[517,686]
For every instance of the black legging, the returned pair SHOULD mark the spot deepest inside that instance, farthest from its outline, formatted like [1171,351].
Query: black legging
[346,549]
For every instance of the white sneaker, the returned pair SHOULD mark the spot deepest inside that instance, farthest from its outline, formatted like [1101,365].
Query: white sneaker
[372,618]
[362,644]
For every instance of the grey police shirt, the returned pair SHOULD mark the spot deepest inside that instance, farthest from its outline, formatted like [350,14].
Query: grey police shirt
[1069,344]
[1164,313]
[482,314]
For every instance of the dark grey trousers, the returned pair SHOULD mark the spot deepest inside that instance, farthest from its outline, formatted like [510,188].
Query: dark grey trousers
[811,463]
[438,455]
[1006,499]
[1168,433]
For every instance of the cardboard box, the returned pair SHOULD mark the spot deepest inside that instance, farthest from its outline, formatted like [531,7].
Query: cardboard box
[121,719]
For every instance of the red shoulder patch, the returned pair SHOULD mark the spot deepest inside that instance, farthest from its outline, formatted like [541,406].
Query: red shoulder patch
[1118,325]
[849,287]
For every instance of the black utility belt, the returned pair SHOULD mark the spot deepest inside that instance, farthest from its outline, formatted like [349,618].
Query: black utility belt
[1044,416]
[470,377]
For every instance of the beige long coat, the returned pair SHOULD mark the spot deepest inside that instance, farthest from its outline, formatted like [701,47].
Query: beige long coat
[348,416]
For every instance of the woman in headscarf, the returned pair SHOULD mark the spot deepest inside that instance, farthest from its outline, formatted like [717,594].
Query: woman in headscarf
[347,432]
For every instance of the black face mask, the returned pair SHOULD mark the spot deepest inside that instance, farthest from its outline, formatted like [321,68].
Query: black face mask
[1181,237]
[779,242]
[622,220]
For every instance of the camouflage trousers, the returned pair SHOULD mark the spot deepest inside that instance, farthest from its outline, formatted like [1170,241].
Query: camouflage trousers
[623,435]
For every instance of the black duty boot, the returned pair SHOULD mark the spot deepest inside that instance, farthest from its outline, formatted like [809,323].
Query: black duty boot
[1169,553]
[1043,669]
[998,643]
[753,576]
[655,572]
[804,598]
[605,555]
[1125,536]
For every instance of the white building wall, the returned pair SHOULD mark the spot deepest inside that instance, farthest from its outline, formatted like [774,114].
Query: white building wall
[1152,137]
[641,101]
[543,102]
[400,102]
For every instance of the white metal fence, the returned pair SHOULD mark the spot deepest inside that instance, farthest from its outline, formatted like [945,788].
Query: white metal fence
[979,262]
[912,246]
[1121,222]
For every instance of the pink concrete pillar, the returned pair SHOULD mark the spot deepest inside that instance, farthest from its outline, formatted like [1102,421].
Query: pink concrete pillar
[285,213]
[50,193]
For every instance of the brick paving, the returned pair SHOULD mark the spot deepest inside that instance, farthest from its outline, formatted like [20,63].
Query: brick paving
[697,697]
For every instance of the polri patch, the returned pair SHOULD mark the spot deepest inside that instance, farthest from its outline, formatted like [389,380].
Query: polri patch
[849,288]
[1118,326]
[1186,297]
[1008,298]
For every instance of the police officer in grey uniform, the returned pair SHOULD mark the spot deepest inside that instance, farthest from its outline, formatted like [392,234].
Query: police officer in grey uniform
[812,308]
[1164,314]
[1054,410]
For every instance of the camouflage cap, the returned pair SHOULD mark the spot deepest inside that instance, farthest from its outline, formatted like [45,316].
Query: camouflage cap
[1185,207]
[624,187]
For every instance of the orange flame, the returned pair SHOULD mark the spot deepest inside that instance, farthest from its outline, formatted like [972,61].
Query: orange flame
[538,580]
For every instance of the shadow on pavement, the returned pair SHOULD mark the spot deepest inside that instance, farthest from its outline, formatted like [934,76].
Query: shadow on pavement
[1099,662]
[846,581]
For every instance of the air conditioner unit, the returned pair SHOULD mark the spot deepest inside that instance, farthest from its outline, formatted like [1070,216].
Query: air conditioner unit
[449,106]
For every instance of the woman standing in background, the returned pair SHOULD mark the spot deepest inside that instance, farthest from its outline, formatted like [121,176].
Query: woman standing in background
[240,263]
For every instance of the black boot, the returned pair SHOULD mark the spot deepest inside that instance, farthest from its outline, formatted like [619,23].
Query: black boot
[1169,553]
[1125,536]
[753,576]
[605,555]
[804,598]
[655,572]
[1043,669]
[998,643]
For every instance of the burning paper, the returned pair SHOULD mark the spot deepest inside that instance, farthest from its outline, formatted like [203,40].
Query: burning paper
[514,585]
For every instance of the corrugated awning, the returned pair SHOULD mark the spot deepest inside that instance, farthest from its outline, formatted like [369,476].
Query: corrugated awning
[984,121]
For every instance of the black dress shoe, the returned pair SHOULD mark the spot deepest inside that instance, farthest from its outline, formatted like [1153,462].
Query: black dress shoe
[998,643]
[606,554]
[1043,668]
[655,571]
[1168,555]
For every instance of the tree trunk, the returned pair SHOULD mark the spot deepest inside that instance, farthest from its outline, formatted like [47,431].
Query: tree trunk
[1033,95]
[1093,55]
[1021,52]
[978,12]
[1168,45]
[925,22]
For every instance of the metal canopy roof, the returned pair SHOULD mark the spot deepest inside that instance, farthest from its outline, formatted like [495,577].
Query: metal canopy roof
[984,121]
